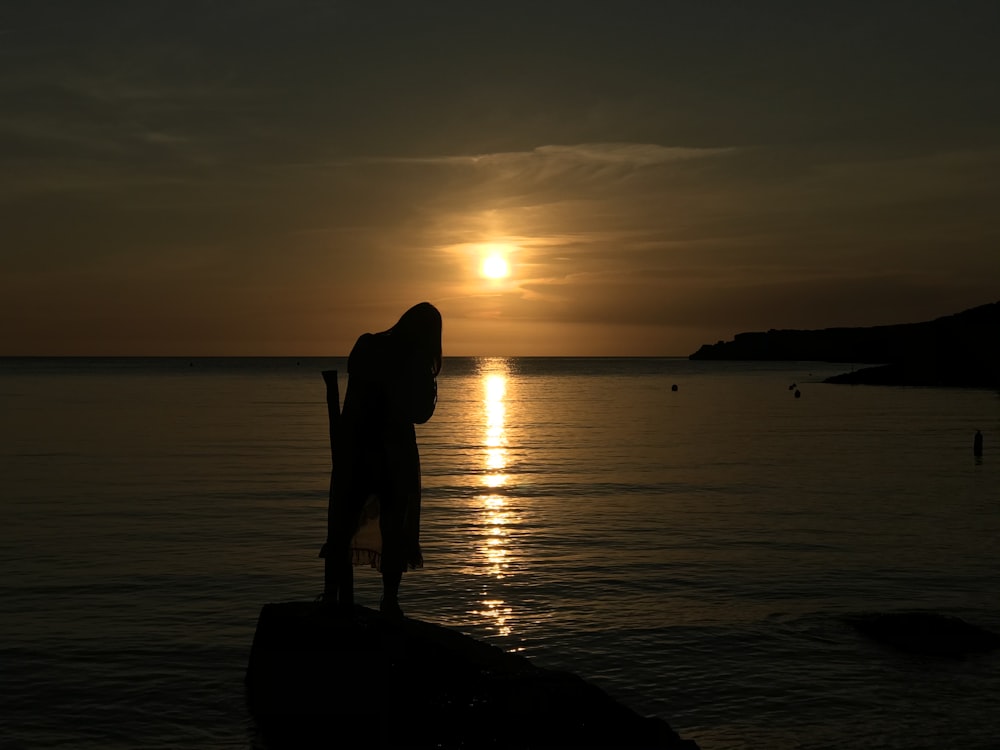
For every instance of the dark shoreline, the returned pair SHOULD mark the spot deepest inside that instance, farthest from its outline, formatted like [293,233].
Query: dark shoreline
[917,374]
[955,351]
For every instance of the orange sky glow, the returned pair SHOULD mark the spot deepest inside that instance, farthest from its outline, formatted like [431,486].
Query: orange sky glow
[278,178]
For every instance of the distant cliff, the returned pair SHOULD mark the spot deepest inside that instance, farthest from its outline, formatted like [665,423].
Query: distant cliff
[957,350]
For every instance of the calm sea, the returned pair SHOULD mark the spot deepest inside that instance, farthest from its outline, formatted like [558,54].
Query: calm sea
[693,552]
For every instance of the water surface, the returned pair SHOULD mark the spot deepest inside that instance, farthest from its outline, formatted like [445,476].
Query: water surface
[694,552]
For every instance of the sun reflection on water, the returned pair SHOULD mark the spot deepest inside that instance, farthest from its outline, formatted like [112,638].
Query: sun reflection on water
[494,548]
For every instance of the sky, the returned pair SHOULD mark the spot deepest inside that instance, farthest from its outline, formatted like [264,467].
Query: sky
[276,177]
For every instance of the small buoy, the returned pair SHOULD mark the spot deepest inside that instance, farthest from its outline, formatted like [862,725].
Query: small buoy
[798,393]
[673,387]
[791,387]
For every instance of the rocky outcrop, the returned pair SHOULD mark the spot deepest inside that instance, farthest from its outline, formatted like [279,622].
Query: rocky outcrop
[926,633]
[322,677]
[955,350]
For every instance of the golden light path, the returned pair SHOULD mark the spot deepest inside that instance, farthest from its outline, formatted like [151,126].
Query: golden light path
[494,547]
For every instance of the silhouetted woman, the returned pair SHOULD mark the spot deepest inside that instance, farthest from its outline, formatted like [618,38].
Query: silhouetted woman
[375,505]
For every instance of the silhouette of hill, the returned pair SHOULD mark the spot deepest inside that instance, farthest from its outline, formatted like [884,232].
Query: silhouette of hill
[957,350]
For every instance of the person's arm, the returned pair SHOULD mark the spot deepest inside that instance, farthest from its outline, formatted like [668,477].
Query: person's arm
[414,391]
[423,396]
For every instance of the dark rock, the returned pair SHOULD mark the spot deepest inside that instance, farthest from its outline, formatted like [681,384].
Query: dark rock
[929,633]
[319,677]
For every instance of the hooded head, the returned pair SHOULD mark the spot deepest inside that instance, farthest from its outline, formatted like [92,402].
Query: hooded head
[419,329]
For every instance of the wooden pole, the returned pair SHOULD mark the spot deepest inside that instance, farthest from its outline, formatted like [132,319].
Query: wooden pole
[331,560]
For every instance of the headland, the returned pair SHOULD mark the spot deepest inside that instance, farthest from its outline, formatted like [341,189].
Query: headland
[958,350]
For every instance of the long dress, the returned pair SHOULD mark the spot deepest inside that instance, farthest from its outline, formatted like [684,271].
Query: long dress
[376,470]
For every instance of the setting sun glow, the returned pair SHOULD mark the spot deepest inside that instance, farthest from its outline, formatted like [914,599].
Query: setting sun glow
[495,266]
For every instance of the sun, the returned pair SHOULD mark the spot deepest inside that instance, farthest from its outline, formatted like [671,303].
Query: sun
[495,266]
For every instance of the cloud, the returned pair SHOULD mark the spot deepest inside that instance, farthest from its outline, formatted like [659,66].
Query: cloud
[539,192]
[625,154]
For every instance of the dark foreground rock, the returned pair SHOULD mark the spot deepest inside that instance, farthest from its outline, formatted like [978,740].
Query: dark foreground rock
[927,633]
[319,678]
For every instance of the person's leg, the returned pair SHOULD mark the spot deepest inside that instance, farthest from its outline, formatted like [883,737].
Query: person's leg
[390,591]
[392,563]
[345,579]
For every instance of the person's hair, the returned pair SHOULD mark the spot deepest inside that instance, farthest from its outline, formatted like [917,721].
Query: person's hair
[420,329]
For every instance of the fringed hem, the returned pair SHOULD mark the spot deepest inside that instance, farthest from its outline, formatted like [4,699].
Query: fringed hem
[363,557]
[366,558]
